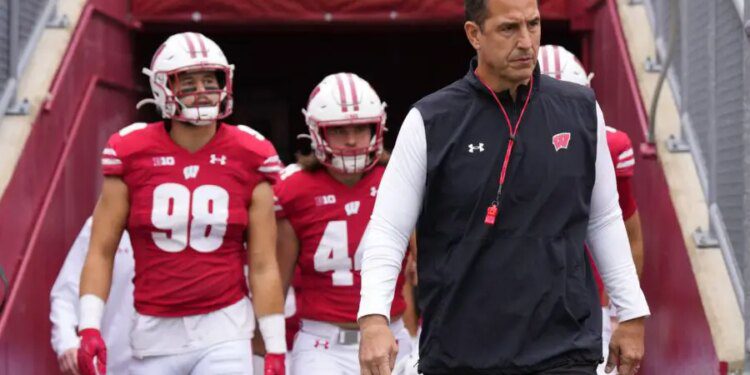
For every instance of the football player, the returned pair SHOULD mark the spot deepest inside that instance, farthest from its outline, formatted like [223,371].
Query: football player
[323,206]
[558,62]
[191,190]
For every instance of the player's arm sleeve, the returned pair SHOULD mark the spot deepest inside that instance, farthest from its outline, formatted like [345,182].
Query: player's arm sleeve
[624,169]
[627,199]
[112,158]
[270,165]
[625,163]
[279,202]
[396,210]
[282,200]
[608,239]
[64,295]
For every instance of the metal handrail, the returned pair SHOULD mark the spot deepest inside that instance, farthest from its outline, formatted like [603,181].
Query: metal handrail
[665,68]
[18,55]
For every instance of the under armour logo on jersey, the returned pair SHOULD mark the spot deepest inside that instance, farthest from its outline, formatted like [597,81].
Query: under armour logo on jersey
[373,191]
[561,141]
[322,200]
[324,343]
[191,171]
[352,208]
[221,160]
[473,148]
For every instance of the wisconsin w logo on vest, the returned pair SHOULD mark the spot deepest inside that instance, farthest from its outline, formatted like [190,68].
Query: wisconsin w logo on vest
[561,141]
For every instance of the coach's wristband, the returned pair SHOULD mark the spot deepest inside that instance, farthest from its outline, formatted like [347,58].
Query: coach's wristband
[273,329]
[92,309]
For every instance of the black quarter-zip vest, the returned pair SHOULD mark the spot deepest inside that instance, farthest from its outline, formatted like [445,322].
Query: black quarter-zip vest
[517,297]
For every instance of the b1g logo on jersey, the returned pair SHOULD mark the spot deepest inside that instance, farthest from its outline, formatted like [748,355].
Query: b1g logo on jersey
[352,208]
[161,161]
[323,200]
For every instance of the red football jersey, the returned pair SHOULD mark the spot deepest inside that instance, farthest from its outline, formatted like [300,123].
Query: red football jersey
[189,213]
[329,219]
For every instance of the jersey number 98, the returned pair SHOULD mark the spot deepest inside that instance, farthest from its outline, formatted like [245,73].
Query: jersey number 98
[202,229]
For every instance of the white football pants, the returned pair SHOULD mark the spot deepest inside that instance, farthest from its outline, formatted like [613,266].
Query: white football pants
[227,358]
[325,349]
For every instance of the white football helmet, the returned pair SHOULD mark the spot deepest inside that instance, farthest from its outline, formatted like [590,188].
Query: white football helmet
[345,99]
[186,52]
[559,63]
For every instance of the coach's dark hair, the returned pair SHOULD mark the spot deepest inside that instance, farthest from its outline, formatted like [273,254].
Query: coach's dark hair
[476,11]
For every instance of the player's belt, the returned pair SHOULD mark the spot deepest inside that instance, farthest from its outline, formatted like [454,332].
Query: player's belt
[331,332]
[348,337]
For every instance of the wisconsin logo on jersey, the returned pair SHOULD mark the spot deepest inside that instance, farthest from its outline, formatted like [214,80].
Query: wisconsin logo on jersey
[561,141]
[191,171]
[373,191]
[352,208]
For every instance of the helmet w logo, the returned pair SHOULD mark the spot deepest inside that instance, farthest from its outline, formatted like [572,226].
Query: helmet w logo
[561,141]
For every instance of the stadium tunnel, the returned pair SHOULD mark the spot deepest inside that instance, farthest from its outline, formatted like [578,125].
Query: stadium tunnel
[277,66]
[281,50]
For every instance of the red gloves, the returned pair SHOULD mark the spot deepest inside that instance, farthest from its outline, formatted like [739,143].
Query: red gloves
[274,364]
[92,346]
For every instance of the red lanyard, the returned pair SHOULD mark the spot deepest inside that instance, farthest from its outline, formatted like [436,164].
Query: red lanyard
[492,210]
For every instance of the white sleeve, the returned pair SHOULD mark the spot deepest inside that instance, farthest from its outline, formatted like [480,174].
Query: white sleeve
[608,239]
[64,295]
[396,210]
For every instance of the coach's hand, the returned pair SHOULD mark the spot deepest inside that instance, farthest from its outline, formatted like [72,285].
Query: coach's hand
[68,362]
[626,347]
[377,348]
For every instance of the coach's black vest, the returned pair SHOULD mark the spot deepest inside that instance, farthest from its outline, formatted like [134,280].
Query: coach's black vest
[517,297]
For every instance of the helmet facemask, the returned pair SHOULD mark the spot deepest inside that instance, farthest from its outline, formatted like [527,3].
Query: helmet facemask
[348,160]
[207,106]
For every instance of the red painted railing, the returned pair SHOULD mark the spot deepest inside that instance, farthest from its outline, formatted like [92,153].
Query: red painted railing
[56,180]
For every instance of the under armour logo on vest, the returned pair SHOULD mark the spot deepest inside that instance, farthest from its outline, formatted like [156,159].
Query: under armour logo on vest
[473,148]
[561,141]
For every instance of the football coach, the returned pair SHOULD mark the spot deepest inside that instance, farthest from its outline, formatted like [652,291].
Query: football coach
[504,175]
